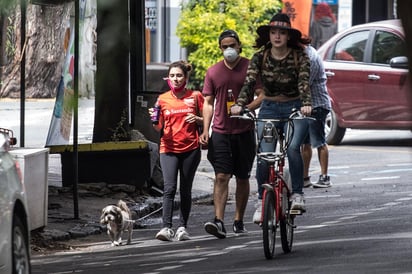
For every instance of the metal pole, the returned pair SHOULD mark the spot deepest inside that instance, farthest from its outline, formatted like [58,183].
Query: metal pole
[22,70]
[75,109]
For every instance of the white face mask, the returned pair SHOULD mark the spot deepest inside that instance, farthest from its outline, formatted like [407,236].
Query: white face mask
[230,54]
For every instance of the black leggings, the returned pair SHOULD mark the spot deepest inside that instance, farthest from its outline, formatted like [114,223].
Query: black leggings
[186,164]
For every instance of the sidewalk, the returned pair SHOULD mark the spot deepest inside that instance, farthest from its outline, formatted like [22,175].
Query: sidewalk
[62,225]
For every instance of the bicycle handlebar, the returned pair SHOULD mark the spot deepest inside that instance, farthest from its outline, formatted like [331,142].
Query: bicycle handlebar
[296,114]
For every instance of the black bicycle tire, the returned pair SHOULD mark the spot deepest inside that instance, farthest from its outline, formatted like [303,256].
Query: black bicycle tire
[287,229]
[269,225]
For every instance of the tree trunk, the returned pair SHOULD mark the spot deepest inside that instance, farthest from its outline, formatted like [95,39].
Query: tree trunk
[46,26]
[112,75]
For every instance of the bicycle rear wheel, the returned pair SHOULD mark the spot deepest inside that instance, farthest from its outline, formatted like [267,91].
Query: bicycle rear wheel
[269,225]
[286,223]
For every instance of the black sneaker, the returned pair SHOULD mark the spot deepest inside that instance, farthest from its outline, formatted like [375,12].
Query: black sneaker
[216,228]
[239,227]
[323,182]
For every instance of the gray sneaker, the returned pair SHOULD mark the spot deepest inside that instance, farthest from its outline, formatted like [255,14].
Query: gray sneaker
[307,182]
[323,182]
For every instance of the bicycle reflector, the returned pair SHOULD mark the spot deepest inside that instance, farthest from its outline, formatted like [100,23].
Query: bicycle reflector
[268,132]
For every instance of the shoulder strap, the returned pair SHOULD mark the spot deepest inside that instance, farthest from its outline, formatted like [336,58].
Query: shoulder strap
[295,57]
[265,55]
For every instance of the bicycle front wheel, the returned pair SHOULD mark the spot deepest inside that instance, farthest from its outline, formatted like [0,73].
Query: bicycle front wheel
[286,232]
[269,225]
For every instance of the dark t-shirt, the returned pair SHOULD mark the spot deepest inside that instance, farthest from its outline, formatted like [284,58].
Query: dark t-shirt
[218,80]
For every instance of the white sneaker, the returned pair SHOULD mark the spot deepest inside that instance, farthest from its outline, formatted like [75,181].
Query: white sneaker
[165,234]
[298,202]
[181,234]
[258,213]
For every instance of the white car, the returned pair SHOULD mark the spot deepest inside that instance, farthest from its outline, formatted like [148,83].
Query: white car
[14,221]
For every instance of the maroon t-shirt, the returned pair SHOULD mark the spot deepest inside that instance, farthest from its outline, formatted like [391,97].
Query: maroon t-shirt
[218,80]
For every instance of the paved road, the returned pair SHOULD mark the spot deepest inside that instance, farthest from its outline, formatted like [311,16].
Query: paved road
[360,225]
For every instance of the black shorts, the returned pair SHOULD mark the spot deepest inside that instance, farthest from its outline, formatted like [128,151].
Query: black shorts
[232,153]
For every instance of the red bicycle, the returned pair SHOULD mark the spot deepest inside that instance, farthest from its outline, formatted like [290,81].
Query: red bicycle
[276,211]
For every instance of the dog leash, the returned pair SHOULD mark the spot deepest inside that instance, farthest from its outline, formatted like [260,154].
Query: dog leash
[144,217]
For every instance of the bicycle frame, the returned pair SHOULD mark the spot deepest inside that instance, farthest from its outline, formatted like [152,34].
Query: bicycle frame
[276,164]
[276,192]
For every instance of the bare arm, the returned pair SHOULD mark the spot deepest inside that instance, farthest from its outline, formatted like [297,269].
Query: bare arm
[255,104]
[207,118]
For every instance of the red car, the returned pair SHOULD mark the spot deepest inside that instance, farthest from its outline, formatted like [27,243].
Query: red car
[368,79]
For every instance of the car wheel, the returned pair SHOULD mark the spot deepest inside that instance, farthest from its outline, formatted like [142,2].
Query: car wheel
[20,248]
[333,132]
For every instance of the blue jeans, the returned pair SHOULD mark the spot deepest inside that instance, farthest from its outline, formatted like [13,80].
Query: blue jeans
[282,110]
[316,136]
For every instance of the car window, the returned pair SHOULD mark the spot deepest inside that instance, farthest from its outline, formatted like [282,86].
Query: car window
[387,45]
[351,47]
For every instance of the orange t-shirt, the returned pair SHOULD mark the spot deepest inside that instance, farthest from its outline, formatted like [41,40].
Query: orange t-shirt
[178,135]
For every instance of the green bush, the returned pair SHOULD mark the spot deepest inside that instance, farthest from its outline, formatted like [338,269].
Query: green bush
[202,21]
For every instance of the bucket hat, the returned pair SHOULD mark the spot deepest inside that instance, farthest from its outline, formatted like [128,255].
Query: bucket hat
[279,21]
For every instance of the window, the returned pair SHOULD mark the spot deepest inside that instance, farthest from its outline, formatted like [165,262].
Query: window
[387,45]
[351,47]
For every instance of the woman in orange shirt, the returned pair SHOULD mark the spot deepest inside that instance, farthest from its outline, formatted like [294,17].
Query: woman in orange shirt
[178,120]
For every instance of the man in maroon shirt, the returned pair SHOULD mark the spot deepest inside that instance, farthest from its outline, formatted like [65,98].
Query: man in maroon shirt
[232,143]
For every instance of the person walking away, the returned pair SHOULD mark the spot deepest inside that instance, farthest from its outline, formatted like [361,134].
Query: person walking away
[177,121]
[231,146]
[324,25]
[321,107]
[283,68]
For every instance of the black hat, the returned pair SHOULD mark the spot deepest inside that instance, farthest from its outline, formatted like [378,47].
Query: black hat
[228,33]
[279,21]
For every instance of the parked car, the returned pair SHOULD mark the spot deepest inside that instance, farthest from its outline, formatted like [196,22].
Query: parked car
[14,222]
[368,79]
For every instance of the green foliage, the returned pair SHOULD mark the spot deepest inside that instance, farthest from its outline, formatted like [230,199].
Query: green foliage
[202,21]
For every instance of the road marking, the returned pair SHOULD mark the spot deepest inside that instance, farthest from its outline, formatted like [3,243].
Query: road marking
[392,204]
[400,164]
[392,236]
[169,267]
[403,151]
[380,178]
[235,247]
[323,196]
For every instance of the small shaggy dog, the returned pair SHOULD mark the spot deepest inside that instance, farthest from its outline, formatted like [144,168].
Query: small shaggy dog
[118,219]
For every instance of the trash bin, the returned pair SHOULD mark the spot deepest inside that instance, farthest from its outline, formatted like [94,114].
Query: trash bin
[34,165]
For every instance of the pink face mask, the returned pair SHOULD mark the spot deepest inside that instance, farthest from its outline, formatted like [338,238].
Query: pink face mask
[176,90]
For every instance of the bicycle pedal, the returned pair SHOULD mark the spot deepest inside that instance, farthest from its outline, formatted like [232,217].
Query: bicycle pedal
[295,212]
